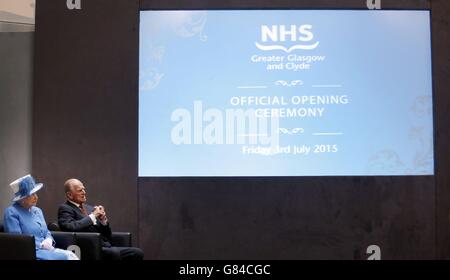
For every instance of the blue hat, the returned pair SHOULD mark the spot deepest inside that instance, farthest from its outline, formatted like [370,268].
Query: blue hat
[24,187]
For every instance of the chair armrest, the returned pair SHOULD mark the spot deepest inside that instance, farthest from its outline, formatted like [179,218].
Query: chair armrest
[53,226]
[90,245]
[17,247]
[121,239]
[63,239]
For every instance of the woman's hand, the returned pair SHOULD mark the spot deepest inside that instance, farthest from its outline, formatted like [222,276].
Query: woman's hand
[47,244]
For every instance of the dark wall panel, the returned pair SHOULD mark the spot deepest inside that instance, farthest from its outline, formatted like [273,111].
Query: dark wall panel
[441,75]
[287,4]
[85,104]
[85,125]
[286,218]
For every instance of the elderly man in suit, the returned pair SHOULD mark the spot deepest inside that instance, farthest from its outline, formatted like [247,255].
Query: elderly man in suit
[76,215]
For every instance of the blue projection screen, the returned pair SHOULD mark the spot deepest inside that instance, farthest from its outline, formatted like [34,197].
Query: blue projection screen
[285,93]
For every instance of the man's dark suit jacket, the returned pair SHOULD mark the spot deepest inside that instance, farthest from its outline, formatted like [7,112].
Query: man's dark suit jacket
[70,218]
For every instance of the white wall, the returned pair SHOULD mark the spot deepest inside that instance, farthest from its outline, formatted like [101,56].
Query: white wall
[16,84]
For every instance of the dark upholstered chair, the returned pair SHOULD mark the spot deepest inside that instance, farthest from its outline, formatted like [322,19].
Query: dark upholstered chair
[22,246]
[90,242]
[16,246]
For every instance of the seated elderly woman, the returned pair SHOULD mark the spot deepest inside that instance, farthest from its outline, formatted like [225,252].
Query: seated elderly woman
[24,217]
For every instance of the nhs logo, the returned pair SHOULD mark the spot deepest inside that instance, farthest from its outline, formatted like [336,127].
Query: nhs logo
[286,38]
